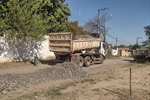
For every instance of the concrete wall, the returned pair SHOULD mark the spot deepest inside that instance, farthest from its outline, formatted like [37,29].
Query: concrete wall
[17,50]
[115,52]
[44,49]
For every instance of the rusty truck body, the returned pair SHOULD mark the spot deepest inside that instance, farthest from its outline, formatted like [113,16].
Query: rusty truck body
[83,51]
[141,54]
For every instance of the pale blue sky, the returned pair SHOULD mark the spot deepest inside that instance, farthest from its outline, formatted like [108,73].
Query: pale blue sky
[128,17]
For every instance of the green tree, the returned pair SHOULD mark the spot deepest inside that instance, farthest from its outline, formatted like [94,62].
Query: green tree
[58,13]
[75,28]
[23,19]
[32,18]
[147,32]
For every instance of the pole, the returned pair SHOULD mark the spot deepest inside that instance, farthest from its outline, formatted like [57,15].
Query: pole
[104,32]
[104,25]
[130,84]
[137,39]
[98,29]
[116,41]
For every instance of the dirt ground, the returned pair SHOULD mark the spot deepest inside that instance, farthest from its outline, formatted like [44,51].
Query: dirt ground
[107,81]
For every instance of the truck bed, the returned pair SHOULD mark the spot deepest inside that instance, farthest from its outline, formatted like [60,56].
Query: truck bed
[64,43]
[141,52]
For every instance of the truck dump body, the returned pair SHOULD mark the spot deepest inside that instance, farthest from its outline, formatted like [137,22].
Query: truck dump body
[64,43]
[141,55]
[141,52]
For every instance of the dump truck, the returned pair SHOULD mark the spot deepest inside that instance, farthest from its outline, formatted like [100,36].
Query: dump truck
[83,51]
[141,55]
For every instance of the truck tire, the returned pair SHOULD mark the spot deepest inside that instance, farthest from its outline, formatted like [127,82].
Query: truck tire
[102,60]
[80,61]
[87,61]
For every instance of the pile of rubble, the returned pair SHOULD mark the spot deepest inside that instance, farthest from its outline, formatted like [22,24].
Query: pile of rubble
[61,71]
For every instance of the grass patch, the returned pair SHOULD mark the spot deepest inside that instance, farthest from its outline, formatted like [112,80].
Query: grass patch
[57,90]
[65,86]
[53,92]
[28,96]
[91,81]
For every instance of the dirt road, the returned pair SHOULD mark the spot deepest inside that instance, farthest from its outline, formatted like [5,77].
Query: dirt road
[107,81]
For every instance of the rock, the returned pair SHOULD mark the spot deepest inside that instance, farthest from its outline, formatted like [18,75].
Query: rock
[58,72]
[35,97]
[4,92]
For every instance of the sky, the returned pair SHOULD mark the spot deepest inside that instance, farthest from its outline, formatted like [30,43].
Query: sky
[127,21]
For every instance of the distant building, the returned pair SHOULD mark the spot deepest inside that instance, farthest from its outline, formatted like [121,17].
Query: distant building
[124,52]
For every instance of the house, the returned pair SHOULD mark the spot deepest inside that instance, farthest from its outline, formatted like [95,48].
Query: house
[124,51]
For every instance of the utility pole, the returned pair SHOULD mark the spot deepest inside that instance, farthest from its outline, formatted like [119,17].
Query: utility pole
[99,24]
[116,41]
[105,26]
[137,39]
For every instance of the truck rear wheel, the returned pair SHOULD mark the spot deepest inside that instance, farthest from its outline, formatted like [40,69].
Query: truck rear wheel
[80,61]
[102,60]
[87,61]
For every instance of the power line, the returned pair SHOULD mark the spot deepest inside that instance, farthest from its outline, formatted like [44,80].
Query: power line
[110,36]
[116,39]
[106,33]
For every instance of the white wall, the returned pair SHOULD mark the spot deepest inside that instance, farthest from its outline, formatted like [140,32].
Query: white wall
[44,49]
[115,52]
[17,50]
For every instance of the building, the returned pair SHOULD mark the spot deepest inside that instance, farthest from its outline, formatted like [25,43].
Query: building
[124,51]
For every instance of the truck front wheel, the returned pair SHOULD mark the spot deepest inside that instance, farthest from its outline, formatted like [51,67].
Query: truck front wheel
[87,61]
[80,61]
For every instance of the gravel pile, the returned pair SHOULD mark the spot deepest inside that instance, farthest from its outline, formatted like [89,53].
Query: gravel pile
[61,71]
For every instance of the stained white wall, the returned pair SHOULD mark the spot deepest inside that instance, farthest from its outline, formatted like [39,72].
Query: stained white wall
[17,50]
[115,52]
[44,49]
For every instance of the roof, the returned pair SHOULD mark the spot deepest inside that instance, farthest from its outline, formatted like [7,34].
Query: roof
[125,48]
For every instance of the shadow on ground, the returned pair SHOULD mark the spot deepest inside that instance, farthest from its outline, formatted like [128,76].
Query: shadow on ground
[140,61]
[49,62]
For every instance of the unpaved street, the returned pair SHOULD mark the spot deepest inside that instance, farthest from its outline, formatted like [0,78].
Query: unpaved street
[107,81]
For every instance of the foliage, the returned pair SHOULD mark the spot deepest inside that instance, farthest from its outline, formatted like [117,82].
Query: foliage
[109,53]
[23,19]
[134,47]
[91,25]
[77,30]
[58,12]
[147,32]
[121,46]
[32,18]
[91,81]
[54,92]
